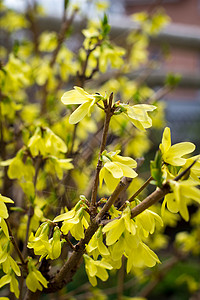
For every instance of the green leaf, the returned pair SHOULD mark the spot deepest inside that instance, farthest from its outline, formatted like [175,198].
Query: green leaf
[172,80]
[156,169]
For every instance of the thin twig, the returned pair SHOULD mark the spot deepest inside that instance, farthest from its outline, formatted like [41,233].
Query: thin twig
[31,209]
[185,171]
[60,37]
[132,198]
[82,76]
[120,187]
[73,140]
[154,197]
[30,14]
[109,113]
[15,244]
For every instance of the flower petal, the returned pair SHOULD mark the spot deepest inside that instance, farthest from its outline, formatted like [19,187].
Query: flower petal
[166,140]
[75,96]
[79,113]
[125,160]
[127,171]
[114,169]
[181,149]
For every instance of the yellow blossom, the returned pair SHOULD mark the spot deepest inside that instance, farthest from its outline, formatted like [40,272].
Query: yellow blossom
[96,245]
[35,279]
[3,208]
[75,220]
[115,167]
[173,154]
[182,192]
[79,96]
[138,114]
[96,269]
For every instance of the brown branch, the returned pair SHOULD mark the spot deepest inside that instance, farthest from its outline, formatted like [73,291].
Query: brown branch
[157,194]
[184,172]
[70,152]
[68,270]
[132,198]
[159,94]
[82,76]
[15,244]
[60,37]
[154,197]
[2,142]
[31,17]
[109,113]
[31,209]
[120,187]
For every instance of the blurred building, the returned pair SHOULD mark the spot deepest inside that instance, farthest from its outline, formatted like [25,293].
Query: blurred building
[183,38]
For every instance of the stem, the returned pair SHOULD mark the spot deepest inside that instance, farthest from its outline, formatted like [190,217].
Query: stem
[2,143]
[109,113]
[73,140]
[61,37]
[132,198]
[150,200]
[68,270]
[31,12]
[82,76]
[15,244]
[184,172]
[120,187]
[31,209]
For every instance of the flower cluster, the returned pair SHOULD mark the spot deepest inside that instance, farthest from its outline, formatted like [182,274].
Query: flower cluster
[115,167]
[42,245]
[75,220]
[124,236]
[35,280]
[175,161]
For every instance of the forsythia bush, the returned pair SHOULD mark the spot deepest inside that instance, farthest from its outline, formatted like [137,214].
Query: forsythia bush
[74,129]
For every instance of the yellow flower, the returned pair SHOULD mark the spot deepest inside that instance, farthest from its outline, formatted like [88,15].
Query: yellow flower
[96,246]
[75,220]
[173,154]
[182,192]
[35,279]
[195,169]
[3,208]
[117,227]
[138,114]
[146,221]
[140,257]
[115,167]
[10,278]
[79,96]
[96,269]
